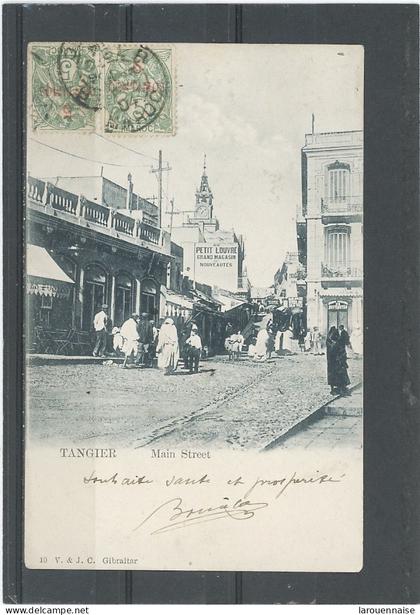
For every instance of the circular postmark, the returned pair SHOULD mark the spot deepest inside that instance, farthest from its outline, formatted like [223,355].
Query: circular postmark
[78,74]
[65,86]
[137,89]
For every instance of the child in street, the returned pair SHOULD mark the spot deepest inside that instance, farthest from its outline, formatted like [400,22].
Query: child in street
[236,343]
[117,341]
[194,349]
[316,341]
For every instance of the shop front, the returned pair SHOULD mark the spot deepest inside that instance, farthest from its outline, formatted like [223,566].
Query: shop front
[50,294]
[341,308]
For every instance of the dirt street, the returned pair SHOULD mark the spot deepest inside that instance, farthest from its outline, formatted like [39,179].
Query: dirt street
[227,404]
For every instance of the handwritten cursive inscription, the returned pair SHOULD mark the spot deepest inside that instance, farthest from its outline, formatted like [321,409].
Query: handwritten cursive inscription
[116,479]
[181,517]
[286,482]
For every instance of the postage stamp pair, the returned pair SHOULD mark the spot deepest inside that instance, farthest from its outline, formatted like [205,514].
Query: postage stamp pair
[113,88]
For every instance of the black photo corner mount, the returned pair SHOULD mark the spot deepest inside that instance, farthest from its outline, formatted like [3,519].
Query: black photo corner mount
[389,34]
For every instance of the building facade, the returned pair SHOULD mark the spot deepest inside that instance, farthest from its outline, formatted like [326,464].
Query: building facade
[107,253]
[212,255]
[289,282]
[330,228]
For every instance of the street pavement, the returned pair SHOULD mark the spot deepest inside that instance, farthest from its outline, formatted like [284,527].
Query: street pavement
[340,427]
[227,404]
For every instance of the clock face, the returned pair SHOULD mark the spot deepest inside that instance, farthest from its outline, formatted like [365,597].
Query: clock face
[202,211]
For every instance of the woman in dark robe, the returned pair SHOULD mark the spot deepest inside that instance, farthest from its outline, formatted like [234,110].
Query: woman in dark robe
[338,378]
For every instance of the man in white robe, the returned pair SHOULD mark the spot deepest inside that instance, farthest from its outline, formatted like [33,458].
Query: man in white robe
[130,334]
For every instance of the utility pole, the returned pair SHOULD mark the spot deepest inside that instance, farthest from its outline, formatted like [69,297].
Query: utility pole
[159,172]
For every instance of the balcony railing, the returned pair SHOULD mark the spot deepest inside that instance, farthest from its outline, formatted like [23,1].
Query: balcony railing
[124,224]
[342,205]
[62,200]
[342,270]
[36,189]
[149,233]
[96,213]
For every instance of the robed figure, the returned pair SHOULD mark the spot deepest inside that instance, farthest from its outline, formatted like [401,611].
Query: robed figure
[338,378]
[167,347]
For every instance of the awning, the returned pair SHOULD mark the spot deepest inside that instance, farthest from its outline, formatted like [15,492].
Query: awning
[176,299]
[229,303]
[44,275]
[341,292]
[203,297]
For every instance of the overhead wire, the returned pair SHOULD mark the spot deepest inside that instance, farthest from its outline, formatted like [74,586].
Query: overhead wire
[111,164]
[129,149]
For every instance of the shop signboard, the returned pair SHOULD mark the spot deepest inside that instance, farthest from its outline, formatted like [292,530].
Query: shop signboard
[217,264]
[292,302]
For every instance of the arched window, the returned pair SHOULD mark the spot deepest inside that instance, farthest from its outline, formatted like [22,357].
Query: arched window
[149,299]
[94,293]
[338,182]
[94,273]
[337,246]
[123,298]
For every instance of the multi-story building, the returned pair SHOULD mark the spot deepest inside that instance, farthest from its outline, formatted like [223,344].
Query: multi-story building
[212,255]
[330,228]
[262,296]
[91,242]
[289,282]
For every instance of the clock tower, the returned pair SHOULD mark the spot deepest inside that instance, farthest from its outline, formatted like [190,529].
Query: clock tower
[204,198]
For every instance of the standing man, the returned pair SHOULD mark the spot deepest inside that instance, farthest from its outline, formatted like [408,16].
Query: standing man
[145,337]
[100,325]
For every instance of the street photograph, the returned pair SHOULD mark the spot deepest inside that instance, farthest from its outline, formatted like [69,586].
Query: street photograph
[194,307]
[194,262]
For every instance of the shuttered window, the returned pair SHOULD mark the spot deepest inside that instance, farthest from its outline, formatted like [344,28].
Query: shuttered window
[338,247]
[338,184]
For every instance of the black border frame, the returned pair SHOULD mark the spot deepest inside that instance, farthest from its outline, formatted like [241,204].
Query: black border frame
[389,33]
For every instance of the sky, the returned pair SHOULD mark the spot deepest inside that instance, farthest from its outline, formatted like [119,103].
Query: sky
[247,107]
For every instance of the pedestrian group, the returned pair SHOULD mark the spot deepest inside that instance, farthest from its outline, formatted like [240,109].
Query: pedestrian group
[141,343]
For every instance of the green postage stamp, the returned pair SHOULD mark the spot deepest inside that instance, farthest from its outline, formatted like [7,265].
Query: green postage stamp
[110,88]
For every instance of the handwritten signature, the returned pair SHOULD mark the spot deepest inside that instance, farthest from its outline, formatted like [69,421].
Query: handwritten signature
[181,517]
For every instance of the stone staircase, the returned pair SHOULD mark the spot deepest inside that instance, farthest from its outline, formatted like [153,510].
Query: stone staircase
[347,406]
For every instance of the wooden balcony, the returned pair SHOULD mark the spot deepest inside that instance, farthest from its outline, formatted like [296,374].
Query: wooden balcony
[45,197]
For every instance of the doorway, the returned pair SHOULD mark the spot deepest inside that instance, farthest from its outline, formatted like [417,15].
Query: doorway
[338,314]
[149,299]
[123,299]
[94,294]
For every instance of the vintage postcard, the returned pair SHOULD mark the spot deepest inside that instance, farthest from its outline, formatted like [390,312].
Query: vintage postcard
[194,307]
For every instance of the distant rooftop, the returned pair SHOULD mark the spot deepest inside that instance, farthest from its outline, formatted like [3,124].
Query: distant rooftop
[261,292]
[100,189]
[330,139]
